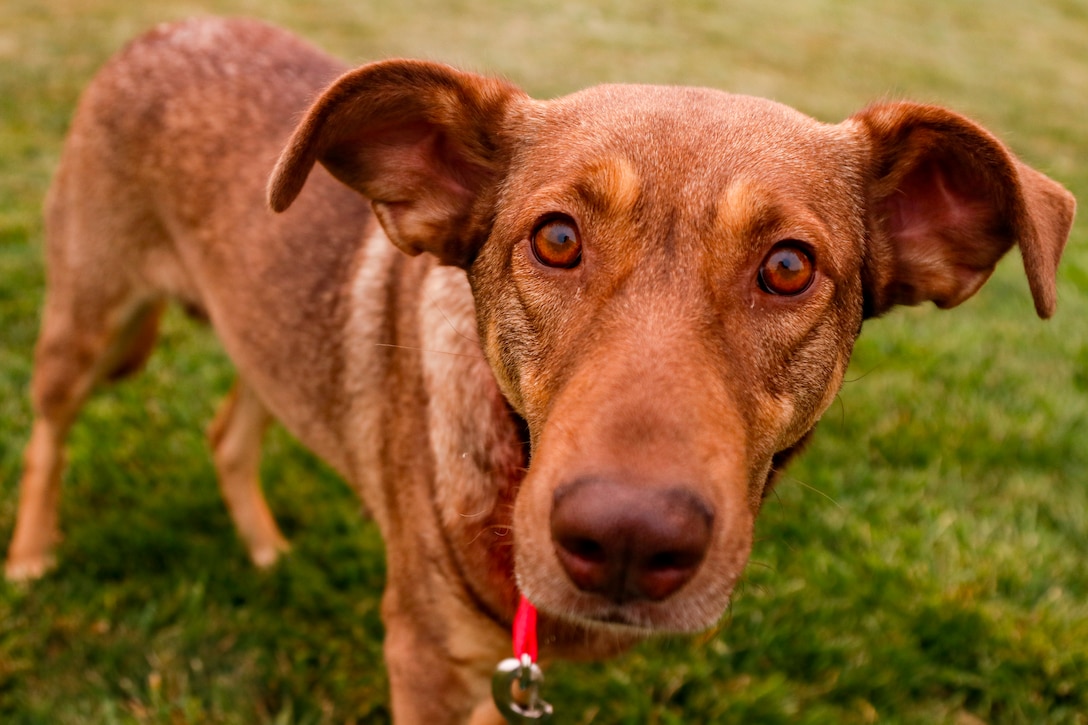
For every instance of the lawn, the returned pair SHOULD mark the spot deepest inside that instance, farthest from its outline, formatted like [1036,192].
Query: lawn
[925,562]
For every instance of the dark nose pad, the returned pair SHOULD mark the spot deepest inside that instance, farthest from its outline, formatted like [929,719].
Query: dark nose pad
[627,542]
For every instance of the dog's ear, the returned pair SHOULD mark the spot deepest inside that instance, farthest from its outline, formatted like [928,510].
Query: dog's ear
[946,201]
[421,140]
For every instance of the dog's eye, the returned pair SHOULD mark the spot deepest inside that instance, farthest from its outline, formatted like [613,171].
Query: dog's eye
[787,270]
[556,244]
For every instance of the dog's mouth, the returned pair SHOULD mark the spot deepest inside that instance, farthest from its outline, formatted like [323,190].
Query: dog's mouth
[617,620]
[622,619]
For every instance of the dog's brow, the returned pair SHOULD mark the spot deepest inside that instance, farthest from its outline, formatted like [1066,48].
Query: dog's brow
[741,209]
[610,184]
[745,212]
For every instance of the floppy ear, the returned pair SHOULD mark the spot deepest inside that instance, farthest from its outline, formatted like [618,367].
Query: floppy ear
[421,140]
[946,201]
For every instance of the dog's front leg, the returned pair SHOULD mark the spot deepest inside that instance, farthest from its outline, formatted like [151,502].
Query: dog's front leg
[440,656]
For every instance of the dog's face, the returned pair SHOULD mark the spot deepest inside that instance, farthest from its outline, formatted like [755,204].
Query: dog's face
[668,284]
[670,300]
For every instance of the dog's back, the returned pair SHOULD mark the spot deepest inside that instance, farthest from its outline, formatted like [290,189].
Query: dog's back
[161,194]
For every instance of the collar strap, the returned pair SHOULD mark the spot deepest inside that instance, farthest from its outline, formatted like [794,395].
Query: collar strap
[524,630]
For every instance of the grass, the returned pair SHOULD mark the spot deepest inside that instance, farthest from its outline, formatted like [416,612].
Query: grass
[924,562]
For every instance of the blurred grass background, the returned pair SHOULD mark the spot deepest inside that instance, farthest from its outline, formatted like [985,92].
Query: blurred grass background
[926,562]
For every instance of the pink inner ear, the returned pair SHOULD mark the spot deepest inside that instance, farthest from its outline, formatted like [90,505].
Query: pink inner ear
[941,224]
[406,161]
[420,179]
[422,167]
[923,205]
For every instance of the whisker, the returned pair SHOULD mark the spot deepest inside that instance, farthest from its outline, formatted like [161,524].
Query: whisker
[449,322]
[760,564]
[502,532]
[420,349]
[864,375]
[842,412]
[816,490]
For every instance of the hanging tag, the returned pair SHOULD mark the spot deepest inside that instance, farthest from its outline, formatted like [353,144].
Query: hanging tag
[527,706]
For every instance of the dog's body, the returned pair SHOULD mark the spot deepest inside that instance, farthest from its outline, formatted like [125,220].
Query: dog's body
[663,289]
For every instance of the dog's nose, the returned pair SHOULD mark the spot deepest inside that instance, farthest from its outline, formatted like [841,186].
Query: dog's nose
[626,542]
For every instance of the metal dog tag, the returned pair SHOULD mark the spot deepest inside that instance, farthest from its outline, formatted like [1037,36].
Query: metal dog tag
[528,676]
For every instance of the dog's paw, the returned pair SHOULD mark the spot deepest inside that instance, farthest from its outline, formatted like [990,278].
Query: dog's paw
[265,557]
[28,568]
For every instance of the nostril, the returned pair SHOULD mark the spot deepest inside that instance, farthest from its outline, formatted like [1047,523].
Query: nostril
[586,563]
[664,560]
[659,575]
[583,548]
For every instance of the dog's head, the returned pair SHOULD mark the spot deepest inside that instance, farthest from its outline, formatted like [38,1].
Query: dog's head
[668,285]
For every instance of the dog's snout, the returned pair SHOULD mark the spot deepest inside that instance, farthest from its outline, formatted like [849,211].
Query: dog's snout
[629,543]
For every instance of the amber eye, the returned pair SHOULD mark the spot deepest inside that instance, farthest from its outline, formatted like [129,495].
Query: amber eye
[787,270]
[556,243]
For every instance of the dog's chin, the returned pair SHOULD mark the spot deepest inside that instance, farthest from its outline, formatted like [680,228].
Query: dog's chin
[636,619]
[630,622]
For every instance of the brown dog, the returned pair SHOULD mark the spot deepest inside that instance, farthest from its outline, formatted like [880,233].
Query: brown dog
[663,289]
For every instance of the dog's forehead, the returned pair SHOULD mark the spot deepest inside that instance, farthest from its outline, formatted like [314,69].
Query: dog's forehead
[660,120]
[635,100]
[687,140]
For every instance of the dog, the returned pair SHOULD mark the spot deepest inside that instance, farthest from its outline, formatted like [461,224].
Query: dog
[560,348]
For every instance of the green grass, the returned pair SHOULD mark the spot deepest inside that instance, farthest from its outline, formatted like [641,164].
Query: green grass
[925,562]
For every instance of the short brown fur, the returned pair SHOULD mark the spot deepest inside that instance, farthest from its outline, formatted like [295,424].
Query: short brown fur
[470,404]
